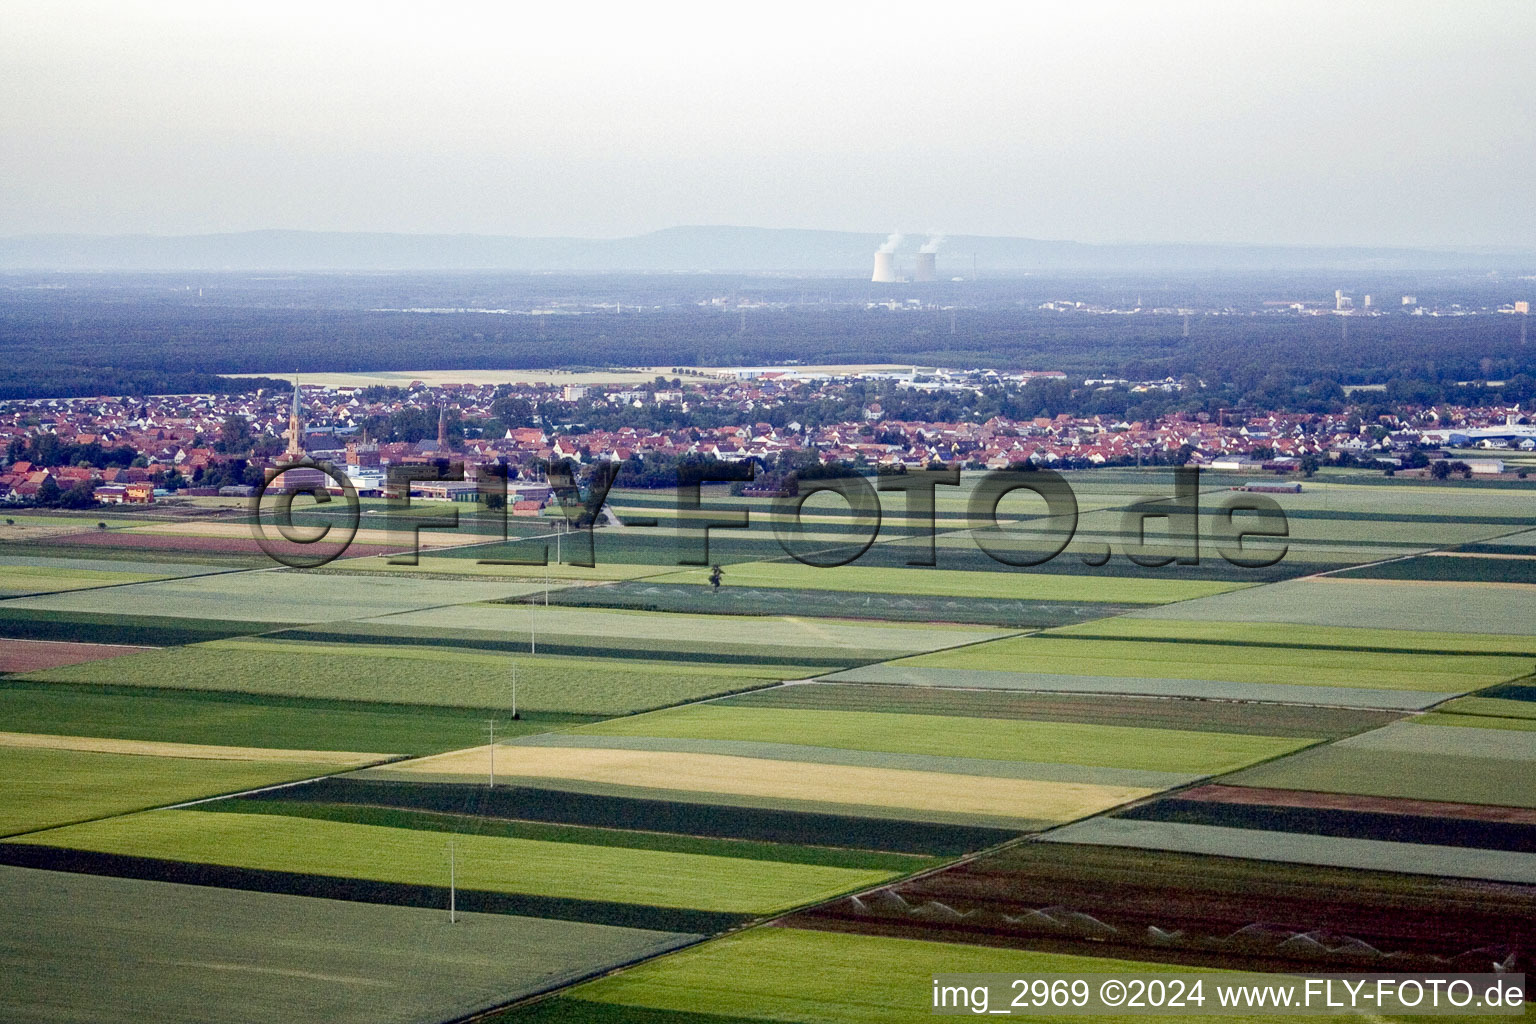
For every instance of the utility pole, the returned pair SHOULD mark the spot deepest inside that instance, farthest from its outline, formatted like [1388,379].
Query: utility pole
[453,909]
[514,691]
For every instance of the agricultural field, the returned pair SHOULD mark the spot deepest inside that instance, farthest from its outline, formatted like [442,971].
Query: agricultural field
[53,780]
[35,655]
[1250,663]
[1264,634]
[976,762]
[416,855]
[1205,668]
[1422,606]
[272,596]
[800,976]
[1453,567]
[1194,909]
[1454,758]
[121,628]
[80,947]
[246,720]
[1016,585]
[22,575]
[584,661]
[1438,794]
[690,598]
[991,739]
[1136,767]
[22,580]
[440,566]
[619,630]
[434,675]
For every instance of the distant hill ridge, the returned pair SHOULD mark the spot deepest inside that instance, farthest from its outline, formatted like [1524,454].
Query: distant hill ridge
[701,249]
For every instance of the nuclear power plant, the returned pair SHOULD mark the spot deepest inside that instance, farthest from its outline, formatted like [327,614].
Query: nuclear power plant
[885,268]
[926,269]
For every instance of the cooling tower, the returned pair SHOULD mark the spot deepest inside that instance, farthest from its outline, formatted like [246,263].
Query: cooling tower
[927,269]
[885,268]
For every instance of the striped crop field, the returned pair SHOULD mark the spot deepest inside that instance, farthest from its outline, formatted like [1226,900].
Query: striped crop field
[410,674]
[83,947]
[1070,743]
[1284,634]
[1031,586]
[1367,604]
[1060,655]
[1465,760]
[272,596]
[534,867]
[47,782]
[944,797]
[805,977]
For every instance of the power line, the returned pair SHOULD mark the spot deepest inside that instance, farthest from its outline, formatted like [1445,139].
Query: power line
[453,909]
[491,724]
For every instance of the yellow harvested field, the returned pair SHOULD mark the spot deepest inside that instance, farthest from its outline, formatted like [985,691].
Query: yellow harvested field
[787,780]
[203,751]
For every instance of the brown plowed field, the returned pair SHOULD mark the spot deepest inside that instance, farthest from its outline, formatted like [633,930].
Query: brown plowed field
[33,655]
[1209,911]
[1349,802]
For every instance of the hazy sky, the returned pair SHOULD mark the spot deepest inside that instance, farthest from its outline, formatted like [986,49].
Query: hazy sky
[1341,122]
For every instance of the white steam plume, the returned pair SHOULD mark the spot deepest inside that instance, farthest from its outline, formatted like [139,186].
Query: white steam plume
[934,241]
[892,242]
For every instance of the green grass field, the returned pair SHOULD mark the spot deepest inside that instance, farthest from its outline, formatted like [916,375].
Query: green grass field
[85,948]
[26,579]
[806,977]
[580,835]
[1018,585]
[120,627]
[468,564]
[1090,709]
[434,676]
[53,787]
[622,628]
[1061,655]
[1465,718]
[1110,746]
[690,598]
[1366,604]
[239,720]
[1462,761]
[1298,635]
[314,846]
[274,596]
[1492,707]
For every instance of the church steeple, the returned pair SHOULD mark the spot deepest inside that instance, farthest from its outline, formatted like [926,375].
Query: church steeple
[295,426]
[442,428]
